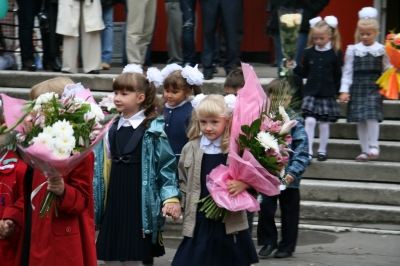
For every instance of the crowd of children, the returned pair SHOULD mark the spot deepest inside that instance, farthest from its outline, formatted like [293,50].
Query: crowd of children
[161,155]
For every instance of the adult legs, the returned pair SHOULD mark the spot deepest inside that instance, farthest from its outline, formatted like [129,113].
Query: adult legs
[188,8]
[107,34]
[174,33]
[91,48]
[289,203]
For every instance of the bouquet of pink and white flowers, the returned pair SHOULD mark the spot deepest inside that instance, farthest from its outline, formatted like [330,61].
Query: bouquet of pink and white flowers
[107,104]
[56,134]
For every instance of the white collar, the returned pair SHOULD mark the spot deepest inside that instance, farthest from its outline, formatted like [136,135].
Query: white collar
[173,107]
[326,47]
[211,146]
[134,121]
[376,46]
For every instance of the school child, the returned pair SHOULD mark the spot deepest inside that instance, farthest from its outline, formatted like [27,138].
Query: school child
[64,240]
[209,242]
[12,171]
[364,63]
[142,187]
[234,82]
[289,199]
[178,86]
[322,64]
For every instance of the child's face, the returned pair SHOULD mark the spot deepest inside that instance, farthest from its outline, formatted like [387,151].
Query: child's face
[213,127]
[321,37]
[230,90]
[367,35]
[128,102]
[175,96]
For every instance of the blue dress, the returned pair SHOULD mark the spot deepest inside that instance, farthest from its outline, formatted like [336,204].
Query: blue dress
[210,245]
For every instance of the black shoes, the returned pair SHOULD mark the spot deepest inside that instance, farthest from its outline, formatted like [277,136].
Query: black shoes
[208,75]
[96,72]
[52,66]
[267,250]
[282,254]
[29,66]
[149,262]
[321,157]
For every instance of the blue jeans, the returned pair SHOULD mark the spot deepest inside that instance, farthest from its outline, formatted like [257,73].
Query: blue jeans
[107,35]
[301,45]
[188,8]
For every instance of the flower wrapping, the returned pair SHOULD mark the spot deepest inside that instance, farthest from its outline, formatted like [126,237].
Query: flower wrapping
[390,80]
[289,27]
[50,123]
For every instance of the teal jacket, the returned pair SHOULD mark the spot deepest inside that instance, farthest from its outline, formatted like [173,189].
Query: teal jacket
[159,181]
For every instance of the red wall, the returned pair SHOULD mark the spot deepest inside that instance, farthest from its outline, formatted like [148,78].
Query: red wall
[255,19]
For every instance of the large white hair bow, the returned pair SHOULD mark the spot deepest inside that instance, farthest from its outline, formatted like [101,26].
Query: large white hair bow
[133,68]
[192,75]
[332,21]
[367,12]
[154,75]
[168,69]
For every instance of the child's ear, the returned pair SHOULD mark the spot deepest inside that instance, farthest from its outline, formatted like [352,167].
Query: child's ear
[141,98]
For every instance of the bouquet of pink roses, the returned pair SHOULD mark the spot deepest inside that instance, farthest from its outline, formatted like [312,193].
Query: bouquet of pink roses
[56,134]
[258,152]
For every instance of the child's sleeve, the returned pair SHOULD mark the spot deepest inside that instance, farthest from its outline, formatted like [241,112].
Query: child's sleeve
[166,169]
[78,187]
[183,175]
[347,75]
[299,161]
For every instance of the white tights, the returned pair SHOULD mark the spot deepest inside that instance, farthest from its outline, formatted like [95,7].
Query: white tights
[368,134]
[323,134]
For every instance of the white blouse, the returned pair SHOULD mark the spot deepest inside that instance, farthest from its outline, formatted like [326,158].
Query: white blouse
[360,49]
[211,146]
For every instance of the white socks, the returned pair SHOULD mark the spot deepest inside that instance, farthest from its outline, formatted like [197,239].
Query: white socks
[323,134]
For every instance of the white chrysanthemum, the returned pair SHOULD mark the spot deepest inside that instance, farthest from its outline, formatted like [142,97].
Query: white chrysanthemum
[37,107]
[230,101]
[267,141]
[48,130]
[46,97]
[63,128]
[65,142]
[62,154]
[96,110]
[46,139]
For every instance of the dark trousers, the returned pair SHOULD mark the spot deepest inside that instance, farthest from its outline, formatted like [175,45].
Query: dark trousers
[188,8]
[228,11]
[27,11]
[267,234]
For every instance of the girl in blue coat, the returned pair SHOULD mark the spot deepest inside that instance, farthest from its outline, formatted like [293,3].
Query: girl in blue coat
[143,187]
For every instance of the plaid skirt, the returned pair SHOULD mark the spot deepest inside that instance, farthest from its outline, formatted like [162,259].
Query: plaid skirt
[324,109]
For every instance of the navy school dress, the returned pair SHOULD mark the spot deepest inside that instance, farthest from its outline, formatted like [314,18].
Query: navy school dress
[210,245]
[121,236]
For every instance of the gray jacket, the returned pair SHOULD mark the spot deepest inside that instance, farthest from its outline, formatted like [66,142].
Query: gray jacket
[189,172]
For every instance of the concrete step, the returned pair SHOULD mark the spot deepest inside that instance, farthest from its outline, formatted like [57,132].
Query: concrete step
[350,192]
[391,109]
[350,149]
[337,169]
[319,210]
[389,130]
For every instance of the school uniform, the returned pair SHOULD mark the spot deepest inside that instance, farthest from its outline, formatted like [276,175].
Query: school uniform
[322,68]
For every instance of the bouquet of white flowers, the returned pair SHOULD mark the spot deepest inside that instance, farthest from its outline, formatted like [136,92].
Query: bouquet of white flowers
[289,27]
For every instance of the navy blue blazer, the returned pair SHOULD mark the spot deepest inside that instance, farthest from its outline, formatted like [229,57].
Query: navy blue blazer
[323,71]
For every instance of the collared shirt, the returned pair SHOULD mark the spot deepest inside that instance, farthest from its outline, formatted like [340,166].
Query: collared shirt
[179,105]
[133,121]
[211,146]
[327,47]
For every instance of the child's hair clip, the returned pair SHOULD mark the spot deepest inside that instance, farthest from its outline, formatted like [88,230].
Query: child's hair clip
[72,89]
[192,75]
[154,75]
[367,12]
[168,69]
[133,68]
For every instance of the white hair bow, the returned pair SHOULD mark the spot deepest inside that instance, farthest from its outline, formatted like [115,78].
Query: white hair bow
[133,68]
[367,12]
[154,75]
[192,75]
[332,21]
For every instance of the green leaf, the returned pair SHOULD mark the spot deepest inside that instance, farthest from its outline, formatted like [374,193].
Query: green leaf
[255,126]
[246,129]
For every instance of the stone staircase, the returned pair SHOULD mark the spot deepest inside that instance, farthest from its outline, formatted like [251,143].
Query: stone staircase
[337,190]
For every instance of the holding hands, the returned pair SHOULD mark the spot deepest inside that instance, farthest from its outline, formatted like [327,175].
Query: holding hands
[172,209]
[344,97]
[6,228]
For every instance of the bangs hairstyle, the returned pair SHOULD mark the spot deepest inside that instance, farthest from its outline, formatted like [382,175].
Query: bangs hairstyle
[235,79]
[334,32]
[55,85]
[136,82]
[177,82]
[212,106]
[365,23]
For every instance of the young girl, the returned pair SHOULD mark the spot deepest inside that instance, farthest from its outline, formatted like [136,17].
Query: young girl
[64,240]
[322,67]
[209,242]
[364,63]
[12,172]
[178,86]
[142,177]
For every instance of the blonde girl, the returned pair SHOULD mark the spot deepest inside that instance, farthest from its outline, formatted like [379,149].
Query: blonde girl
[364,63]
[322,64]
[209,242]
